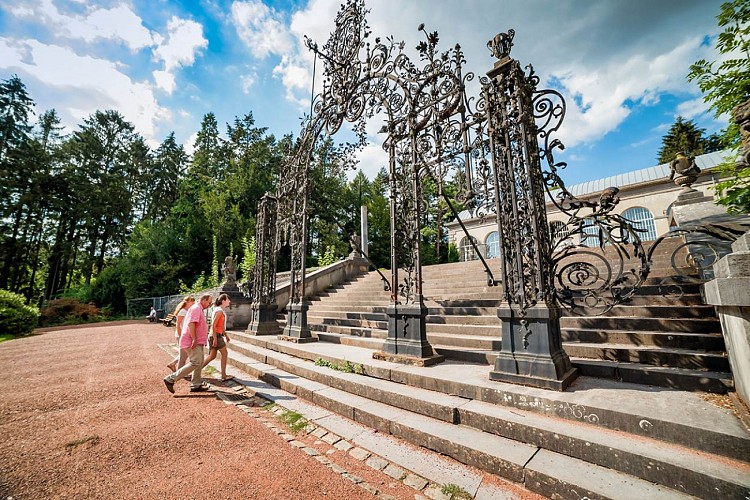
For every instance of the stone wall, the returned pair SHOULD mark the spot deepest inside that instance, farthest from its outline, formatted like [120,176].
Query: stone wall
[730,294]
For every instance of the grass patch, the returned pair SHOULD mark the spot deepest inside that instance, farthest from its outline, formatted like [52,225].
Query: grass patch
[269,406]
[90,440]
[6,336]
[455,492]
[346,366]
[210,370]
[294,420]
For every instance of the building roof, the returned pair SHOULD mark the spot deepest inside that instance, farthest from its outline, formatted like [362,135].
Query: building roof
[704,162]
[650,174]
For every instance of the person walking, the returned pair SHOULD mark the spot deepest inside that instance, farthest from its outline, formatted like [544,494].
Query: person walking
[217,340]
[193,340]
[180,312]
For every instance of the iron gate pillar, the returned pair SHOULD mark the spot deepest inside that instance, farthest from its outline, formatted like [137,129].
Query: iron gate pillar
[531,351]
[263,306]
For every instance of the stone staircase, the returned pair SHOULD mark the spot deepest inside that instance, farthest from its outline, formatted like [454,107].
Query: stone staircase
[670,340]
[599,439]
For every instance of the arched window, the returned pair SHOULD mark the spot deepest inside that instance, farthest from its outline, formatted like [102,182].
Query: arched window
[466,250]
[642,219]
[590,234]
[558,230]
[493,245]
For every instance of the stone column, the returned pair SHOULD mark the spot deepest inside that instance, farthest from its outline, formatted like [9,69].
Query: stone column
[363,229]
[730,294]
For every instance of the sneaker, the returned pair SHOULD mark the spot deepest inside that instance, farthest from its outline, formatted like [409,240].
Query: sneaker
[200,388]
[169,384]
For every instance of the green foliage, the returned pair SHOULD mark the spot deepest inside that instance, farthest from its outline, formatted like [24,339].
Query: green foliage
[455,492]
[80,293]
[198,285]
[16,318]
[345,366]
[213,277]
[734,193]
[453,253]
[248,262]
[294,420]
[69,312]
[725,84]
[328,258]
[108,290]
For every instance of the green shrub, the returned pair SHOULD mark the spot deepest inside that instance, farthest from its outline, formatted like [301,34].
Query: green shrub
[328,258]
[70,312]
[16,318]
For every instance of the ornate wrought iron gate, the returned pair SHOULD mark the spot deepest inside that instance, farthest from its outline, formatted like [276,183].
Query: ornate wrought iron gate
[497,144]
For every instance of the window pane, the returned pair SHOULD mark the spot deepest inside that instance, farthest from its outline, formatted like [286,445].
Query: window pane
[642,219]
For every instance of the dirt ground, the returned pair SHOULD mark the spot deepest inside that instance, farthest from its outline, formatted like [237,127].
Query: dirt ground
[84,414]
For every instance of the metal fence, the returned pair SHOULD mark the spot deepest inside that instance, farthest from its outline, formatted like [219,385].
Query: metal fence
[140,307]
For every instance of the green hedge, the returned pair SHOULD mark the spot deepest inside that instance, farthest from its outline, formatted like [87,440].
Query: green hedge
[16,318]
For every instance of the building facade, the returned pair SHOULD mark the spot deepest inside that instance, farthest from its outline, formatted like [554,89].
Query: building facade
[646,197]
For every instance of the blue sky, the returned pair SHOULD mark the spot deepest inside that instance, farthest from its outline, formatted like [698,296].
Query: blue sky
[621,65]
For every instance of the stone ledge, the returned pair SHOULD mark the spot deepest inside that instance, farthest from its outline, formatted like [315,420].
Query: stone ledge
[728,292]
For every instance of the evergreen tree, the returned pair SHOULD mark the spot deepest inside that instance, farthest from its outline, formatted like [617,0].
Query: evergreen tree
[685,137]
[16,169]
[169,164]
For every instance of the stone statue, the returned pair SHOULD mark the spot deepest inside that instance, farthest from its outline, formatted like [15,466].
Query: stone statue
[608,200]
[684,171]
[356,243]
[230,275]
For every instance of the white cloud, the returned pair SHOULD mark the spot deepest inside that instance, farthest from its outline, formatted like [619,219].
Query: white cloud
[247,82]
[178,49]
[262,29]
[165,81]
[78,85]
[692,108]
[184,39]
[612,57]
[118,23]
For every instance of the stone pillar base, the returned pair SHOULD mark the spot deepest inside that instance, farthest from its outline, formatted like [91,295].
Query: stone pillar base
[263,320]
[296,328]
[531,349]
[406,332]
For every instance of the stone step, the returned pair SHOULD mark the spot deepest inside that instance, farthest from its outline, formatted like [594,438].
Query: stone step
[374,343]
[650,355]
[365,307]
[650,311]
[464,341]
[708,342]
[661,376]
[352,331]
[430,419]
[465,355]
[671,415]
[694,325]
[678,300]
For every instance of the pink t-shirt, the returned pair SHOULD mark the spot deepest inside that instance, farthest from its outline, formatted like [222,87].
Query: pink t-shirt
[194,315]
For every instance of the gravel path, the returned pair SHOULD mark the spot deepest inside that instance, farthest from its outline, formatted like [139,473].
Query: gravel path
[84,414]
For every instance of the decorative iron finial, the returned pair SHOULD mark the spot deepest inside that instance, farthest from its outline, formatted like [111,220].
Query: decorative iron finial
[501,44]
